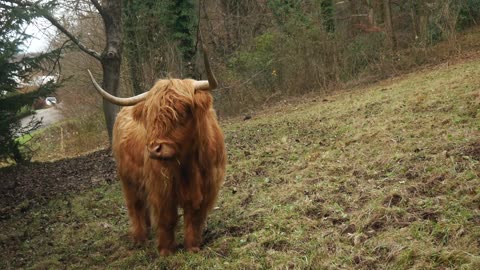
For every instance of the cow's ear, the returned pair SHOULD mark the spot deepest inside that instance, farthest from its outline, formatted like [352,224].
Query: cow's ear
[202,100]
[138,111]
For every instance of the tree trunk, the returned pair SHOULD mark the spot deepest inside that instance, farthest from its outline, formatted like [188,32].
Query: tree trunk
[371,13]
[379,11]
[353,17]
[414,16]
[110,80]
[131,49]
[111,57]
[389,25]
[422,14]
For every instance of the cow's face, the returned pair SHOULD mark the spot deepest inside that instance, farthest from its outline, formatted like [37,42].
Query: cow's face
[168,117]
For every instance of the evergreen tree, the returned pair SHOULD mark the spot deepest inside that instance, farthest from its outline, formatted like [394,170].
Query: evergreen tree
[15,68]
[150,27]
[183,29]
[144,25]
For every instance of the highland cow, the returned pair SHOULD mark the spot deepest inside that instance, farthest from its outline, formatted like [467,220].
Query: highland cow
[170,153]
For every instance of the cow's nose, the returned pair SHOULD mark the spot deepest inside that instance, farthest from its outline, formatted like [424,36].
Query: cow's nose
[155,151]
[161,151]
[157,148]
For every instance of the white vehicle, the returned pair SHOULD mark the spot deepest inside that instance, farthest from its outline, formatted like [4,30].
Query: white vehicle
[51,101]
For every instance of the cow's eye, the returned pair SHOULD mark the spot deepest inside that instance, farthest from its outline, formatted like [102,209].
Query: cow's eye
[183,118]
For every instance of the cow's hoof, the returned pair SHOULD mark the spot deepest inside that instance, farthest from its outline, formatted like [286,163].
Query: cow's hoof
[193,249]
[165,252]
[139,238]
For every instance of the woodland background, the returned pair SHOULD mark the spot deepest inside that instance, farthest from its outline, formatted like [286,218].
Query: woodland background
[262,51]
[266,50]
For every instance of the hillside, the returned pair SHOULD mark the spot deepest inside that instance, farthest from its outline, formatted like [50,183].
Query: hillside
[381,177]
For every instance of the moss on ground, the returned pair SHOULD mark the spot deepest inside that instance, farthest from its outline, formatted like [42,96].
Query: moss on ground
[381,177]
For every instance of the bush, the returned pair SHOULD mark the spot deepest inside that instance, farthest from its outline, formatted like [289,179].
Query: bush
[14,138]
[364,51]
[255,64]
[469,14]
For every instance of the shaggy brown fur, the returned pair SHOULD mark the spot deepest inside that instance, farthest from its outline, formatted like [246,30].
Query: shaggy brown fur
[183,123]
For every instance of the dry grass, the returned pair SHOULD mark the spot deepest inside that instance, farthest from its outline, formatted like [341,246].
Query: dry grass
[70,138]
[383,177]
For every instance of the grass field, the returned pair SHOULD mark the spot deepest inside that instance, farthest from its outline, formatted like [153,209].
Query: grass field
[380,177]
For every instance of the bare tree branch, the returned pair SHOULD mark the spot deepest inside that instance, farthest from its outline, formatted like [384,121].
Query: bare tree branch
[75,40]
[56,62]
[98,7]
[46,14]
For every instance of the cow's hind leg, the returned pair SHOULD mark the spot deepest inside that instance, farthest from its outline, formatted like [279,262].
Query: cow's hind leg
[137,211]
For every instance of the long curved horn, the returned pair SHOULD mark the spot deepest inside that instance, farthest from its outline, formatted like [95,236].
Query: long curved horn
[212,81]
[117,100]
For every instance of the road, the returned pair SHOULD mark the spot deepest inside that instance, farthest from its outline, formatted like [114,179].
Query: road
[49,116]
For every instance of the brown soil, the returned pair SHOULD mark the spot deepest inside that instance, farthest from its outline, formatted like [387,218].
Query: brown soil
[25,186]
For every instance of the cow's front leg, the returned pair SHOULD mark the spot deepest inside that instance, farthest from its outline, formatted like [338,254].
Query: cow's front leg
[194,220]
[137,211]
[165,220]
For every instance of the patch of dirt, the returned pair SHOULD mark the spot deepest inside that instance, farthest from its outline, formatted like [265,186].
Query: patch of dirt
[278,245]
[393,200]
[25,186]
[473,150]
[429,215]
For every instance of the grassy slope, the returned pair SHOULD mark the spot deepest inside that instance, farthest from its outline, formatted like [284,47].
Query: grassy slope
[62,140]
[384,177]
